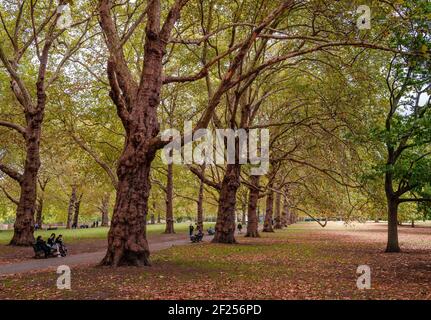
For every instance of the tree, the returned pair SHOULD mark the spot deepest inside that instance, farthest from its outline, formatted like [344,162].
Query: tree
[406,134]
[21,45]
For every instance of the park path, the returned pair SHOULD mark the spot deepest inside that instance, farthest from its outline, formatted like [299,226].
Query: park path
[82,258]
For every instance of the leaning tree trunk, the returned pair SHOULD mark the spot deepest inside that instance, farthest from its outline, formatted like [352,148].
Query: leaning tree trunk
[253,197]
[267,226]
[24,223]
[200,206]
[77,208]
[169,201]
[225,225]
[392,245]
[278,222]
[105,210]
[71,208]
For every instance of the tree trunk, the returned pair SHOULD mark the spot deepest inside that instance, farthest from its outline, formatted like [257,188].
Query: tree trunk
[267,226]
[153,214]
[158,218]
[169,201]
[127,243]
[225,225]
[286,212]
[278,222]
[105,210]
[24,223]
[77,207]
[200,205]
[244,211]
[71,208]
[253,197]
[39,211]
[392,245]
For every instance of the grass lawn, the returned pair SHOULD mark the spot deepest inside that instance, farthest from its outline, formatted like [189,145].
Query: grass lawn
[301,262]
[72,235]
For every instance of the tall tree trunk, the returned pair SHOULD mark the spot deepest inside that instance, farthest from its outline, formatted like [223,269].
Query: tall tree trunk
[153,214]
[392,245]
[292,218]
[39,211]
[24,223]
[253,198]
[278,222]
[200,203]
[286,212]
[267,226]
[169,201]
[71,207]
[225,225]
[244,211]
[77,208]
[105,210]
[127,243]
[158,218]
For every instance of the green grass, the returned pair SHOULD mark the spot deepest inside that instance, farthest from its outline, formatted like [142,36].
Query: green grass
[71,235]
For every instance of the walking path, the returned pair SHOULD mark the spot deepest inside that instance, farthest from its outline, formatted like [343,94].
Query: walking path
[80,259]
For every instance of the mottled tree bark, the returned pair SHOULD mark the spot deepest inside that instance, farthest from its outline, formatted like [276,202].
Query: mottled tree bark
[40,201]
[24,223]
[70,210]
[169,201]
[253,198]
[225,225]
[267,226]
[137,105]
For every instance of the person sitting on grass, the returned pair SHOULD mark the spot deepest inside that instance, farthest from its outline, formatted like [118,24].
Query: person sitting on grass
[51,240]
[42,246]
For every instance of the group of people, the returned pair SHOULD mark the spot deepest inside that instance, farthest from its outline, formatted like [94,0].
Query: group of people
[210,230]
[198,235]
[54,245]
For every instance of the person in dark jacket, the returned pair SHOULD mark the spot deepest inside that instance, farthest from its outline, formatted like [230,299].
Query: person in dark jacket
[51,240]
[191,229]
[42,246]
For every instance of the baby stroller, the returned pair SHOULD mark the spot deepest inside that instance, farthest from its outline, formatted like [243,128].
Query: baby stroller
[62,249]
